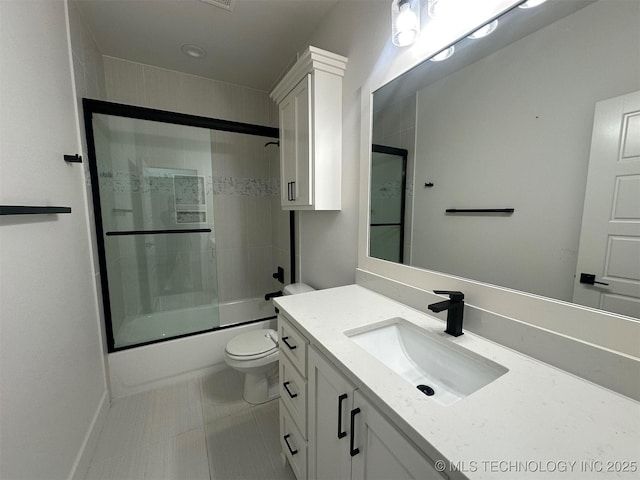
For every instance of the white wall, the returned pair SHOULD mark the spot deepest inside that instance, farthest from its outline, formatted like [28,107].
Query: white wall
[529,151]
[88,74]
[329,240]
[52,377]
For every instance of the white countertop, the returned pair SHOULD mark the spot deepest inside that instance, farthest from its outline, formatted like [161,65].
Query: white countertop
[535,421]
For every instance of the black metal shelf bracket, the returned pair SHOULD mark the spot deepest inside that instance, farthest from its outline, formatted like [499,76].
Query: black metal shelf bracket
[73,158]
[31,210]
[480,210]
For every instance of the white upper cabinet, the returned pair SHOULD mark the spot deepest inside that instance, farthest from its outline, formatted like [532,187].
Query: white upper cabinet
[310,104]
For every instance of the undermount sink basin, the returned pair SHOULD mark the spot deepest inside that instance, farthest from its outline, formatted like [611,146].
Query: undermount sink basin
[436,366]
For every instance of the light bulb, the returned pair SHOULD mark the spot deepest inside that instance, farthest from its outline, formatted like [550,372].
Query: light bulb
[484,31]
[406,22]
[443,55]
[532,3]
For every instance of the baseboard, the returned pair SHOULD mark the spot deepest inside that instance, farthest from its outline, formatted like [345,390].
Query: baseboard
[83,460]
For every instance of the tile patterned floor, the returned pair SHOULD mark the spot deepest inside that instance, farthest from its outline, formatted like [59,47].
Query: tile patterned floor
[198,429]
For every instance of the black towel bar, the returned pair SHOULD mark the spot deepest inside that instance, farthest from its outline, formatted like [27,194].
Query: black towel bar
[31,210]
[480,210]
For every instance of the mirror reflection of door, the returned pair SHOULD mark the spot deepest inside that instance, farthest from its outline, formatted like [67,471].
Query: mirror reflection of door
[609,253]
[388,184]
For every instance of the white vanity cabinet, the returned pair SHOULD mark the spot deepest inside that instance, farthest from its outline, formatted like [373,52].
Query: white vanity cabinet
[330,403]
[309,99]
[293,396]
[329,429]
[349,438]
[382,451]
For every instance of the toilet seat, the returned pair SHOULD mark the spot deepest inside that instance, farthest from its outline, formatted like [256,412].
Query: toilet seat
[252,345]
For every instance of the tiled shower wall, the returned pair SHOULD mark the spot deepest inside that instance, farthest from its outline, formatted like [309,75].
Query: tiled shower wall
[252,236]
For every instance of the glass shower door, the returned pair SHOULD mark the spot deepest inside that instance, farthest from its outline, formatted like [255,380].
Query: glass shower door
[387,203]
[156,208]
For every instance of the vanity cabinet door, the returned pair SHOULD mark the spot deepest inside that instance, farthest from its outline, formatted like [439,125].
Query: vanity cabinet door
[330,401]
[381,452]
[295,146]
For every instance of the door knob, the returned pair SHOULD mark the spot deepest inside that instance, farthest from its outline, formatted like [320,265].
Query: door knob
[590,279]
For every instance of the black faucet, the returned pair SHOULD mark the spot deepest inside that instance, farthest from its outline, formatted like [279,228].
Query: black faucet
[455,307]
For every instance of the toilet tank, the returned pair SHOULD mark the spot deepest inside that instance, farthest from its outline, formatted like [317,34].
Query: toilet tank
[296,288]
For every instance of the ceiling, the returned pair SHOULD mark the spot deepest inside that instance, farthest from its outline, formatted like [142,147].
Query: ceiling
[251,45]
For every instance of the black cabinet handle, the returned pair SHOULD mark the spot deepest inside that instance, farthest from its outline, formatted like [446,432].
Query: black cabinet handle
[293,191]
[353,451]
[291,347]
[286,440]
[286,387]
[341,434]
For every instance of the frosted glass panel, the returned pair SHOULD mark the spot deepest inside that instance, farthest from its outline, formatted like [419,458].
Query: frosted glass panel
[388,171]
[158,219]
[385,243]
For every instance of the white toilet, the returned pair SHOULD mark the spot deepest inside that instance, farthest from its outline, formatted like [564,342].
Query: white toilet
[255,354]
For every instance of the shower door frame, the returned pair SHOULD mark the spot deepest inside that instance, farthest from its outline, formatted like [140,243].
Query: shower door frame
[404,155]
[91,107]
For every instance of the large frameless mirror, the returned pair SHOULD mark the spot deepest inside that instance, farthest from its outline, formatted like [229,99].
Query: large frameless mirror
[523,158]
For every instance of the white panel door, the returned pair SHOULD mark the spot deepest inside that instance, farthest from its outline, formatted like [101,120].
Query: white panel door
[610,237]
[380,452]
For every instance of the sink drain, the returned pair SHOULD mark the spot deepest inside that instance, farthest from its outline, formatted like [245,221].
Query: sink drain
[426,389]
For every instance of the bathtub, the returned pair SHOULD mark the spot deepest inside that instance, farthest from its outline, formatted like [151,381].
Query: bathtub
[147,328]
[143,368]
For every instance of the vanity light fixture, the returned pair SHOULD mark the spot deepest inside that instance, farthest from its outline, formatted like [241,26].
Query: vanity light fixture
[443,55]
[484,30]
[531,3]
[405,22]
[193,51]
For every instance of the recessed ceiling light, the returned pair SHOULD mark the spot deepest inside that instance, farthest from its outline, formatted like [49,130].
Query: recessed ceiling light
[484,31]
[532,3]
[443,55]
[193,51]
